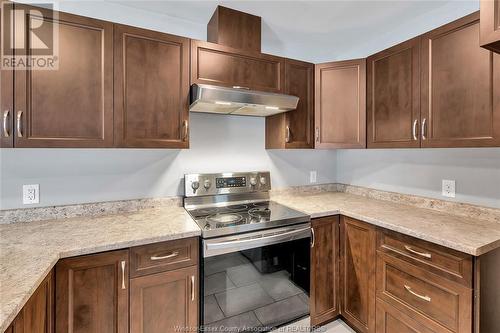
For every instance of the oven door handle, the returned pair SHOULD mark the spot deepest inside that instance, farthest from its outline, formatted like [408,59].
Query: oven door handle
[255,241]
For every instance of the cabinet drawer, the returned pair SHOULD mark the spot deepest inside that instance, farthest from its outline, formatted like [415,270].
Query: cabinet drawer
[165,256]
[453,265]
[423,295]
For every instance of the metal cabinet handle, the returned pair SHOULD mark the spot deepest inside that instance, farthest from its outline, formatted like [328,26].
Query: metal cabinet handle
[186,130]
[192,288]
[287,138]
[123,274]
[425,298]
[240,87]
[313,238]
[5,127]
[414,130]
[19,129]
[317,134]
[171,255]
[424,129]
[422,254]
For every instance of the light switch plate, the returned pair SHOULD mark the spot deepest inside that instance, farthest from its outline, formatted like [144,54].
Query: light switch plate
[312,176]
[448,188]
[31,194]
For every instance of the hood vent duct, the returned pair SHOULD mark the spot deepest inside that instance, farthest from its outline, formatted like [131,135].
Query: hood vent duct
[239,101]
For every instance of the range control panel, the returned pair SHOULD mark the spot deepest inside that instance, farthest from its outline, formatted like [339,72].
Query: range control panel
[226,183]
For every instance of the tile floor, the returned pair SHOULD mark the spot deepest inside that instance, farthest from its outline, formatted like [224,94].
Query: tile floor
[337,326]
[237,295]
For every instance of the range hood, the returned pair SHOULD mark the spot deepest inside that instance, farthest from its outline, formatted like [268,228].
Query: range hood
[239,101]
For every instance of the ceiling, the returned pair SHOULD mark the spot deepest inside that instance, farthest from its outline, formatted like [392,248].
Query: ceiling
[324,30]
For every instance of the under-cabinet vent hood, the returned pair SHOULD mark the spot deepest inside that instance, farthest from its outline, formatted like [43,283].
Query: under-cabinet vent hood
[239,101]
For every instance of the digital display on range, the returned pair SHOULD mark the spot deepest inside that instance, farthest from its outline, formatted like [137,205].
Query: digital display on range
[231,182]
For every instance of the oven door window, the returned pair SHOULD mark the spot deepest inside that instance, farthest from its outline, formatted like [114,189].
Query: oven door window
[259,288]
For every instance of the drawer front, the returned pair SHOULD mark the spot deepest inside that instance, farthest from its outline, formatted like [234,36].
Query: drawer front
[422,294]
[453,265]
[165,256]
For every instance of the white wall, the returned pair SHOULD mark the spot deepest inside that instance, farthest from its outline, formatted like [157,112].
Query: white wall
[218,143]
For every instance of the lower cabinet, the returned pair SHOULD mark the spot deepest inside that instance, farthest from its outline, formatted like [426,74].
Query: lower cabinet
[390,320]
[324,293]
[357,273]
[165,302]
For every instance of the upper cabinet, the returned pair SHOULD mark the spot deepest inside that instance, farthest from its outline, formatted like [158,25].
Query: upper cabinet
[72,105]
[393,96]
[151,89]
[490,25]
[294,129]
[460,98]
[225,66]
[340,104]
[6,93]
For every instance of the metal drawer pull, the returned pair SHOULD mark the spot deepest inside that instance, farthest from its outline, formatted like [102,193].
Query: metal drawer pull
[287,138]
[171,255]
[414,129]
[186,130]
[19,131]
[313,238]
[425,298]
[317,134]
[423,129]
[123,274]
[192,287]
[422,254]
[241,87]
[5,128]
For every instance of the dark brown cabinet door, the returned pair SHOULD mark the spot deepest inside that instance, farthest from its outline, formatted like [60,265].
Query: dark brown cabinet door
[294,129]
[490,25]
[92,293]
[357,273]
[225,66]
[390,320]
[324,295]
[165,302]
[151,89]
[71,106]
[340,104]
[37,315]
[6,89]
[393,96]
[460,88]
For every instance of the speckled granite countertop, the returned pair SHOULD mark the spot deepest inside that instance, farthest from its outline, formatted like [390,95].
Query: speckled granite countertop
[28,251]
[468,235]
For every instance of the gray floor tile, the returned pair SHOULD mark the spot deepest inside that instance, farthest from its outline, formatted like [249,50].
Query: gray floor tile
[211,310]
[242,299]
[304,298]
[281,312]
[278,286]
[220,264]
[234,324]
[243,275]
[217,283]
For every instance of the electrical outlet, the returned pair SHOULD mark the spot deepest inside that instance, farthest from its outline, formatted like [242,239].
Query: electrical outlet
[448,188]
[31,194]
[312,176]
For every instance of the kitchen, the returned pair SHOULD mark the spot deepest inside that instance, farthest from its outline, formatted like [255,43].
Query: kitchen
[128,205]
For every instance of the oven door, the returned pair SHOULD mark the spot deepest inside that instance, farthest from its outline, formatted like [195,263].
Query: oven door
[256,281]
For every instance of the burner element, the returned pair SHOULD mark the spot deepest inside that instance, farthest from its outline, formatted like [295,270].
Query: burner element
[261,204]
[222,219]
[261,213]
[236,208]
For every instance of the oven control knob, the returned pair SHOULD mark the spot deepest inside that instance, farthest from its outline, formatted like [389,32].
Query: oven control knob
[253,181]
[263,180]
[195,185]
[207,184]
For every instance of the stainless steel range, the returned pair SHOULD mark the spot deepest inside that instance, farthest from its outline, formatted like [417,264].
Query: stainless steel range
[255,252]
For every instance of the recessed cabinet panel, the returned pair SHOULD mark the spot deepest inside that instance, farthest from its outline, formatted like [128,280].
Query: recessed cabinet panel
[340,110]
[6,91]
[460,88]
[490,25]
[73,105]
[151,89]
[393,96]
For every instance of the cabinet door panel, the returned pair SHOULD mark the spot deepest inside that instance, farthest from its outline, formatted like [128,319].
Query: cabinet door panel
[92,293]
[324,296]
[460,88]
[6,89]
[390,320]
[357,246]
[221,65]
[71,106]
[490,25]
[340,104]
[151,89]
[164,302]
[393,96]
